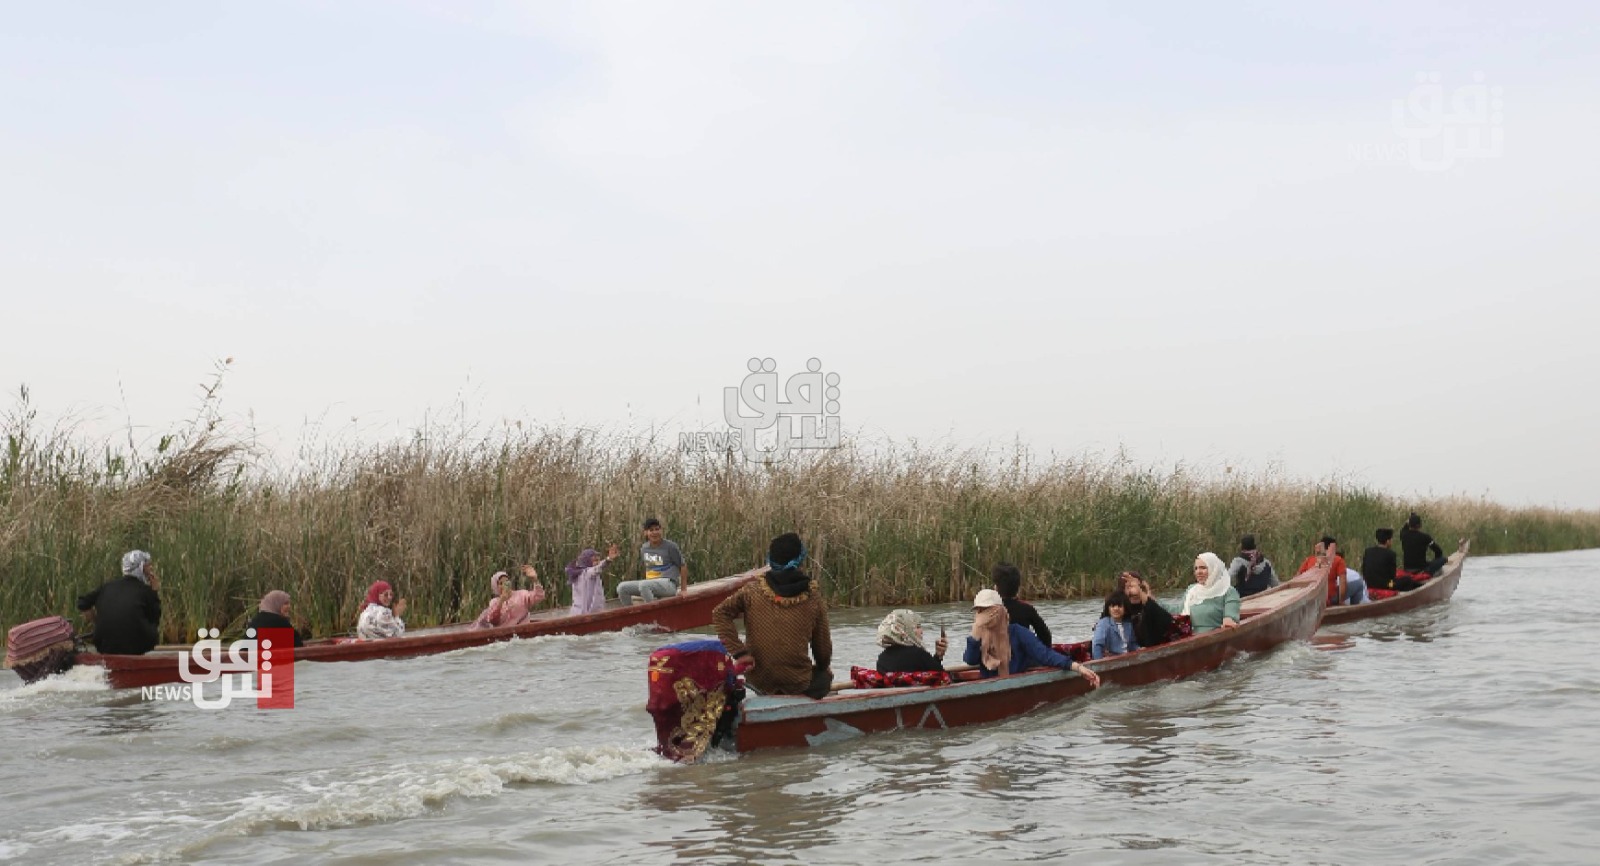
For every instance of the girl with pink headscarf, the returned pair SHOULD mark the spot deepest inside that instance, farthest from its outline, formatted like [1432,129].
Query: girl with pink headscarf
[511,606]
[584,573]
[378,619]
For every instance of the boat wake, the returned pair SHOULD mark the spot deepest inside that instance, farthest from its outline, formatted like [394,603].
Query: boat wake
[79,679]
[321,802]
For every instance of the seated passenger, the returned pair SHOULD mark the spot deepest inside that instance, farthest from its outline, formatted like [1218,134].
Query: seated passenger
[1250,571]
[1152,622]
[1327,551]
[1355,587]
[1113,634]
[1415,545]
[126,612]
[511,606]
[584,574]
[784,616]
[274,613]
[999,647]
[1008,582]
[900,635]
[1211,601]
[378,619]
[1379,563]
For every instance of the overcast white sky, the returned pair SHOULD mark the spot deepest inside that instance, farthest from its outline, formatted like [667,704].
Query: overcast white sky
[1194,233]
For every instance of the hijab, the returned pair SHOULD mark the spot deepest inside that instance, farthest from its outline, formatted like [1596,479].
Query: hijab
[133,563]
[274,601]
[374,591]
[584,561]
[900,628]
[1217,582]
[992,627]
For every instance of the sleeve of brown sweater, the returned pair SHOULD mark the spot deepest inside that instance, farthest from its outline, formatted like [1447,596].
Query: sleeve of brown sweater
[821,637]
[722,617]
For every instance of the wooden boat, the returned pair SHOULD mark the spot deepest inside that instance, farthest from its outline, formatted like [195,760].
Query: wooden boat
[690,610]
[1435,589]
[1268,620]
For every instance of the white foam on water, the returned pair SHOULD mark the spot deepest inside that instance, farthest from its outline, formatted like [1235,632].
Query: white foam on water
[83,678]
[409,791]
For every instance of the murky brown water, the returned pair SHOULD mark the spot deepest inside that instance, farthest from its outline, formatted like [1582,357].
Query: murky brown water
[1461,734]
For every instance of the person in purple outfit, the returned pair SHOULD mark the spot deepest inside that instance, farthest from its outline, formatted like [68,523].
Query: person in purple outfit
[584,573]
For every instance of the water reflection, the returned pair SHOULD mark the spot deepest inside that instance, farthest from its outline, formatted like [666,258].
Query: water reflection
[756,813]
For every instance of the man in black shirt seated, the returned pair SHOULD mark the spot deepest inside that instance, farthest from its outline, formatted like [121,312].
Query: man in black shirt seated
[1415,545]
[1008,582]
[1378,563]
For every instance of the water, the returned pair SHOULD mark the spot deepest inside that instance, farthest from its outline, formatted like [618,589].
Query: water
[1459,734]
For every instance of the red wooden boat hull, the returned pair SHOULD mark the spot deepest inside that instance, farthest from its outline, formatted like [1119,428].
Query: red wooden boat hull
[690,610]
[1291,614]
[1436,589]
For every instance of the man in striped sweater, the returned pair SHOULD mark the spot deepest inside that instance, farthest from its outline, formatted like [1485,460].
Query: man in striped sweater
[784,616]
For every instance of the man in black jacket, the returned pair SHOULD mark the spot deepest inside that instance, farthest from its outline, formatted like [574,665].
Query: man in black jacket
[127,611]
[1378,563]
[1415,545]
[1008,582]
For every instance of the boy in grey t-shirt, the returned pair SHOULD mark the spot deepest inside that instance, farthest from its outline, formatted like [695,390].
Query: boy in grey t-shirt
[665,572]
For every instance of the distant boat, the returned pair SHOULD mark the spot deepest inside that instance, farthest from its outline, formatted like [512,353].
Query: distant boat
[690,610]
[1267,620]
[1435,589]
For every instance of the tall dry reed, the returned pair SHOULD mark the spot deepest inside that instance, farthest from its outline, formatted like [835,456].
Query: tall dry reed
[438,514]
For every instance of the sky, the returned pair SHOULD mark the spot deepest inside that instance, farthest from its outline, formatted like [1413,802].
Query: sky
[1328,239]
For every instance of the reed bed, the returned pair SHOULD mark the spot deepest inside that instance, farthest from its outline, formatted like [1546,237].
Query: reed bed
[438,514]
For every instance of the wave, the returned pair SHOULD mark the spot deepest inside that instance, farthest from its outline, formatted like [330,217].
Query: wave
[84,678]
[409,791]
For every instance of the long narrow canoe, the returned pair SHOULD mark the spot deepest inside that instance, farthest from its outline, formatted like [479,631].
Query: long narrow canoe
[771,721]
[1435,589]
[690,610]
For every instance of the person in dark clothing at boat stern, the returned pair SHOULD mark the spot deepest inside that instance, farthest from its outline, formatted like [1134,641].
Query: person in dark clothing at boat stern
[1151,621]
[1378,562]
[1008,582]
[787,642]
[1415,545]
[126,612]
[274,613]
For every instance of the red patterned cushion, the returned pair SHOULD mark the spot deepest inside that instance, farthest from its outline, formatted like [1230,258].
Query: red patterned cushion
[868,678]
[1078,652]
[1381,594]
[1418,576]
[1181,628]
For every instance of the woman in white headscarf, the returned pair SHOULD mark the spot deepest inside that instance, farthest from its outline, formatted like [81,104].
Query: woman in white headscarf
[900,635]
[1211,602]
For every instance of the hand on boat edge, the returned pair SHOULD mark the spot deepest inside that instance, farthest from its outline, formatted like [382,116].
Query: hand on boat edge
[1083,671]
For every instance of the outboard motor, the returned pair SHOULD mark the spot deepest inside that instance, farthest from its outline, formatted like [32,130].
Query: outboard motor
[694,697]
[40,648]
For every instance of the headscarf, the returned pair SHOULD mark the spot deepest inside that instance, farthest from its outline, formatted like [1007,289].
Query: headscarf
[133,563]
[274,601]
[1217,582]
[376,589]
[900,628]
[991,625]
[584,561]
[494,583]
